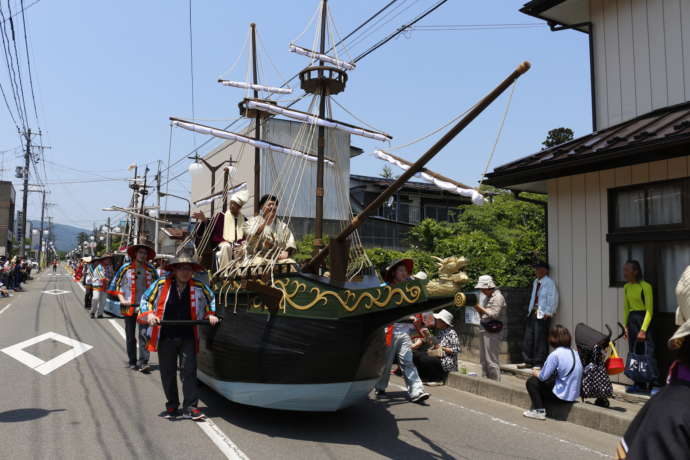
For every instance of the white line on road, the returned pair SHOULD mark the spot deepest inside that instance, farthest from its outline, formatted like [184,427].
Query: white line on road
[224,444]
[6,307]
[519,427]
[120,330]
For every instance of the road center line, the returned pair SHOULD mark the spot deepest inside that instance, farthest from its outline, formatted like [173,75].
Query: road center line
[519,427]
[210,429]
[6,307]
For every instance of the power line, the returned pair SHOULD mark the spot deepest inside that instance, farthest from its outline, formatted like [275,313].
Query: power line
[400,30]
[28,63]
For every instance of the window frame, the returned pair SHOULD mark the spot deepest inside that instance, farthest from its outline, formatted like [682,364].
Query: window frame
[646,235]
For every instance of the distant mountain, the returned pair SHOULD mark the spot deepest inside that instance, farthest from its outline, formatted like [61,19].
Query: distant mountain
[65,235]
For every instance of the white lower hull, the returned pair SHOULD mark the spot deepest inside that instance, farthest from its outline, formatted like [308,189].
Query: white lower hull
[319,397]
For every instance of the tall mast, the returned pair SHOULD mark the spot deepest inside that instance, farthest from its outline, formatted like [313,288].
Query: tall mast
[257,127]
[313,264]
[321,145]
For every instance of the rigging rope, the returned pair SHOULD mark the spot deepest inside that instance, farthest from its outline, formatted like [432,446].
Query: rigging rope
[498,135]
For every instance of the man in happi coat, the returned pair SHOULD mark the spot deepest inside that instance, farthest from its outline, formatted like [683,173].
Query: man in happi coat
[228,229]
[129,284]
[179,297]
[102,275]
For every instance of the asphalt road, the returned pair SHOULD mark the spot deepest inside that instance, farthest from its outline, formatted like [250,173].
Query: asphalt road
[91,406]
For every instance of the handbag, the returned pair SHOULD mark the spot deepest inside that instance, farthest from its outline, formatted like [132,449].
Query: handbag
[595,380]
[640,367]
[614,364]
[493,326]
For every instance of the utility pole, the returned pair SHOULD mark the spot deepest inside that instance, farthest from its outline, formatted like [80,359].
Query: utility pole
[40,235]
[107,237]
[27,160]
[158,204]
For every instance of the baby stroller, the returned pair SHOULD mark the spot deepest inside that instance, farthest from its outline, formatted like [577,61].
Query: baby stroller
[591,346]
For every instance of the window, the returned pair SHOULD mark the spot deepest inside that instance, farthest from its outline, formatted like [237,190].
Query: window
[625,252]
[648,205]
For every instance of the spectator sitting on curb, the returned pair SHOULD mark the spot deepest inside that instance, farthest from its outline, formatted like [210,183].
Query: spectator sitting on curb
[560,380]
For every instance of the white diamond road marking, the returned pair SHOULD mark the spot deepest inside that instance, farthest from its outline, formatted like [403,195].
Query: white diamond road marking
[46,367]
[55,292]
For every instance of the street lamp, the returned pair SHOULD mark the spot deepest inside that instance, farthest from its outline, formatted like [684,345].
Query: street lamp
[195,169]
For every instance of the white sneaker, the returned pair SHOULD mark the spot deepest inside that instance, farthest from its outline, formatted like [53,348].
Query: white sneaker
[420,398]
[535,414]
[433,384]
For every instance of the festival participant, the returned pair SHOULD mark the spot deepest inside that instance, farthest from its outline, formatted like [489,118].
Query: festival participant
[398,342]
[178,297]
[55,265]
[87,282]
[268,236]
[102,275]
[161,264]
[129,284]
[228,228]
[433,366]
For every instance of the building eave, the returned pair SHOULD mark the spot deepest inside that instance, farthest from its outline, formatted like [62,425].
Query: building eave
[626,156]
[547,10]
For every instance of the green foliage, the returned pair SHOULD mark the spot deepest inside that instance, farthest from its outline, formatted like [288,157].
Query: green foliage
[503,238]
[305,248]
[386,172]
[558,136]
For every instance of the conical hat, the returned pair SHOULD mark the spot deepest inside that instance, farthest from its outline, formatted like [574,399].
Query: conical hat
[132,250]
[185,260]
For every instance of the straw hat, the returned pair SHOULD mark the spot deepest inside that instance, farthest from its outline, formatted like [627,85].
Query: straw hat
[390,270]
[485,282]
[445,316]
[185,260]
[132,250]
[87,259]
[683,311]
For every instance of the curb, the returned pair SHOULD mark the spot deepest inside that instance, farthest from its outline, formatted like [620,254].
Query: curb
[583,414]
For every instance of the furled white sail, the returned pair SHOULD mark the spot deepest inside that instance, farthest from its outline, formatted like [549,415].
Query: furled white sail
[245,85]
[308,118]
[322,57]
[222,134]
[215,196]
[476,197]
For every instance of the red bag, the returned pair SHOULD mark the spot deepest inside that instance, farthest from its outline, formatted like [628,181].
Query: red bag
[614,364]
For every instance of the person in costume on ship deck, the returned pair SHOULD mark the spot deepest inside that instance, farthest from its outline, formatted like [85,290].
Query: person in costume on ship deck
[178,297]
[267,236]
[228,229]
[129,284]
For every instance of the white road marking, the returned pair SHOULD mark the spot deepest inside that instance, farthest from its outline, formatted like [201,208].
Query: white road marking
[120,330]
[46,367]
[80,285]
[222,442]
[6,307]
[515,425]
[55,292]
[210,429]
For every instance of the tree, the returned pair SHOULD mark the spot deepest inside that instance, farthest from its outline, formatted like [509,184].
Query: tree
[557,136]
[386,172]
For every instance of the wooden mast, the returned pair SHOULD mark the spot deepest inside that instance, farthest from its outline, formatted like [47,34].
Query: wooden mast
[257,127]
[311,265]
[321,145]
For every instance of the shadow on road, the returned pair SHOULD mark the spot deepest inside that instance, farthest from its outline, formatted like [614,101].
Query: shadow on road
[368,424]
[24,415]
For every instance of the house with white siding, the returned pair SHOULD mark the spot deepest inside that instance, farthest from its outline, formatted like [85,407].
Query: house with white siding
[623,191]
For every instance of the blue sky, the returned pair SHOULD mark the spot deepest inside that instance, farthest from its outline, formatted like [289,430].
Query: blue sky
[109,74]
